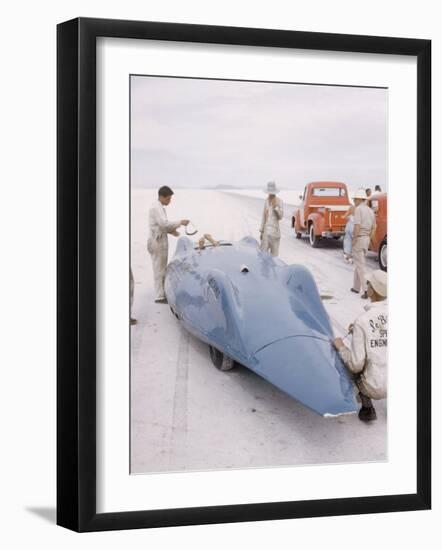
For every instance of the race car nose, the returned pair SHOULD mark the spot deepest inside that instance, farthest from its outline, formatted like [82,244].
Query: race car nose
[310,370]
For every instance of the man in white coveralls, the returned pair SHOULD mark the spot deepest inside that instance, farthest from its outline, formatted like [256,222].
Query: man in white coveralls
[363,231]
[157,243]
[272,214]
[367,358]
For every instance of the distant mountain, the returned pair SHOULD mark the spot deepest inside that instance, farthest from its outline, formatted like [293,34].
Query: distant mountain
[224,186]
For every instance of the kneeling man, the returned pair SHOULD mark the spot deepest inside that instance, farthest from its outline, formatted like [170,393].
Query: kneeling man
[367,358]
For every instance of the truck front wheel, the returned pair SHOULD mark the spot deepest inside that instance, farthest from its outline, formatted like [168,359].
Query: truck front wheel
[383,255]
[314,239]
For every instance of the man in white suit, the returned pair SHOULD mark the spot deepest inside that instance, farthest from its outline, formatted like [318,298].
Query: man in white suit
[363,231]
[272,214]
[157,243]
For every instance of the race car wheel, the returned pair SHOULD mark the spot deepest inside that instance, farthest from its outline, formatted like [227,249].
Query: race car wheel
[221,361]
[314,239]
[383,255]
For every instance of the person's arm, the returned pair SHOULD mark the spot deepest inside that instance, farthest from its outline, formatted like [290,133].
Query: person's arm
[172,228]
[354,358]
[373,229]
[349,212]
[162,223]
[278,207]
[357,224]
[211,239]
[263,219]
[356,229]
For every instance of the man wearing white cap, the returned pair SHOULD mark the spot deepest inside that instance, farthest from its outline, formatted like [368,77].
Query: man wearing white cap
[271,216]
[367,358]
[363,231]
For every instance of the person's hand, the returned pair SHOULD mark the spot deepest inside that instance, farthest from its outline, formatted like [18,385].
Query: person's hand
[175,233]
[338,343]
[184,222]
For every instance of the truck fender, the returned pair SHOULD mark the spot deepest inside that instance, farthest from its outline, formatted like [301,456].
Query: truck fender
[296,225]
[318,222]
[295,221]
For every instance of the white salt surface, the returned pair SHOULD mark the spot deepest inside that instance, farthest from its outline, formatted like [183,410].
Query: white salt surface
[187,415]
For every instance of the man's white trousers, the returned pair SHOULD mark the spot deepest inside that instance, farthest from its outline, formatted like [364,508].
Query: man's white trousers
[159,265]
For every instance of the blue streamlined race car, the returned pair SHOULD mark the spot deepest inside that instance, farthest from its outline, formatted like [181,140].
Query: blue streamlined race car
[254,309]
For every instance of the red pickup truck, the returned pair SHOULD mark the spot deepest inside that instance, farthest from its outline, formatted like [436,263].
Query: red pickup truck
[321,213]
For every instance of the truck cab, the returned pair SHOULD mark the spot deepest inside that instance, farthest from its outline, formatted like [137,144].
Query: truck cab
[321,213]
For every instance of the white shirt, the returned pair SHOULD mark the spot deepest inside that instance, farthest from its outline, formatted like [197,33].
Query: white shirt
[368,353]
[365,218]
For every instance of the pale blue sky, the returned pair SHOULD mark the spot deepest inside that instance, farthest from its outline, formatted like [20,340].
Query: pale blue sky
[204,133]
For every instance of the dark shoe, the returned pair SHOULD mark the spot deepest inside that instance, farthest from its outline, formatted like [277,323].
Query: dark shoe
[366,414]
[161,301]
[364,296]
[133,321]
[355,291]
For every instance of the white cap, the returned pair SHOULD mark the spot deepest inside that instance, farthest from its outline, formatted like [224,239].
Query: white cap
[378,280]
[271,188]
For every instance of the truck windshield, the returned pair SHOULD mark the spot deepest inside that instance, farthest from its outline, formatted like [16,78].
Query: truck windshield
[329,192]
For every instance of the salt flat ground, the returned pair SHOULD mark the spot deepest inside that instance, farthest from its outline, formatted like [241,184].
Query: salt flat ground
[187,415]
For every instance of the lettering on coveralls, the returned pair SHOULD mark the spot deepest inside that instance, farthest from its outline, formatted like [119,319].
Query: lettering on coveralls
[378,329]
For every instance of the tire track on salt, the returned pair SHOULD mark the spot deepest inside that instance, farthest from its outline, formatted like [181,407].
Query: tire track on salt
[178,431]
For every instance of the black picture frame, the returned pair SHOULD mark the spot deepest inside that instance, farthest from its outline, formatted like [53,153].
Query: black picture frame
[76,274]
